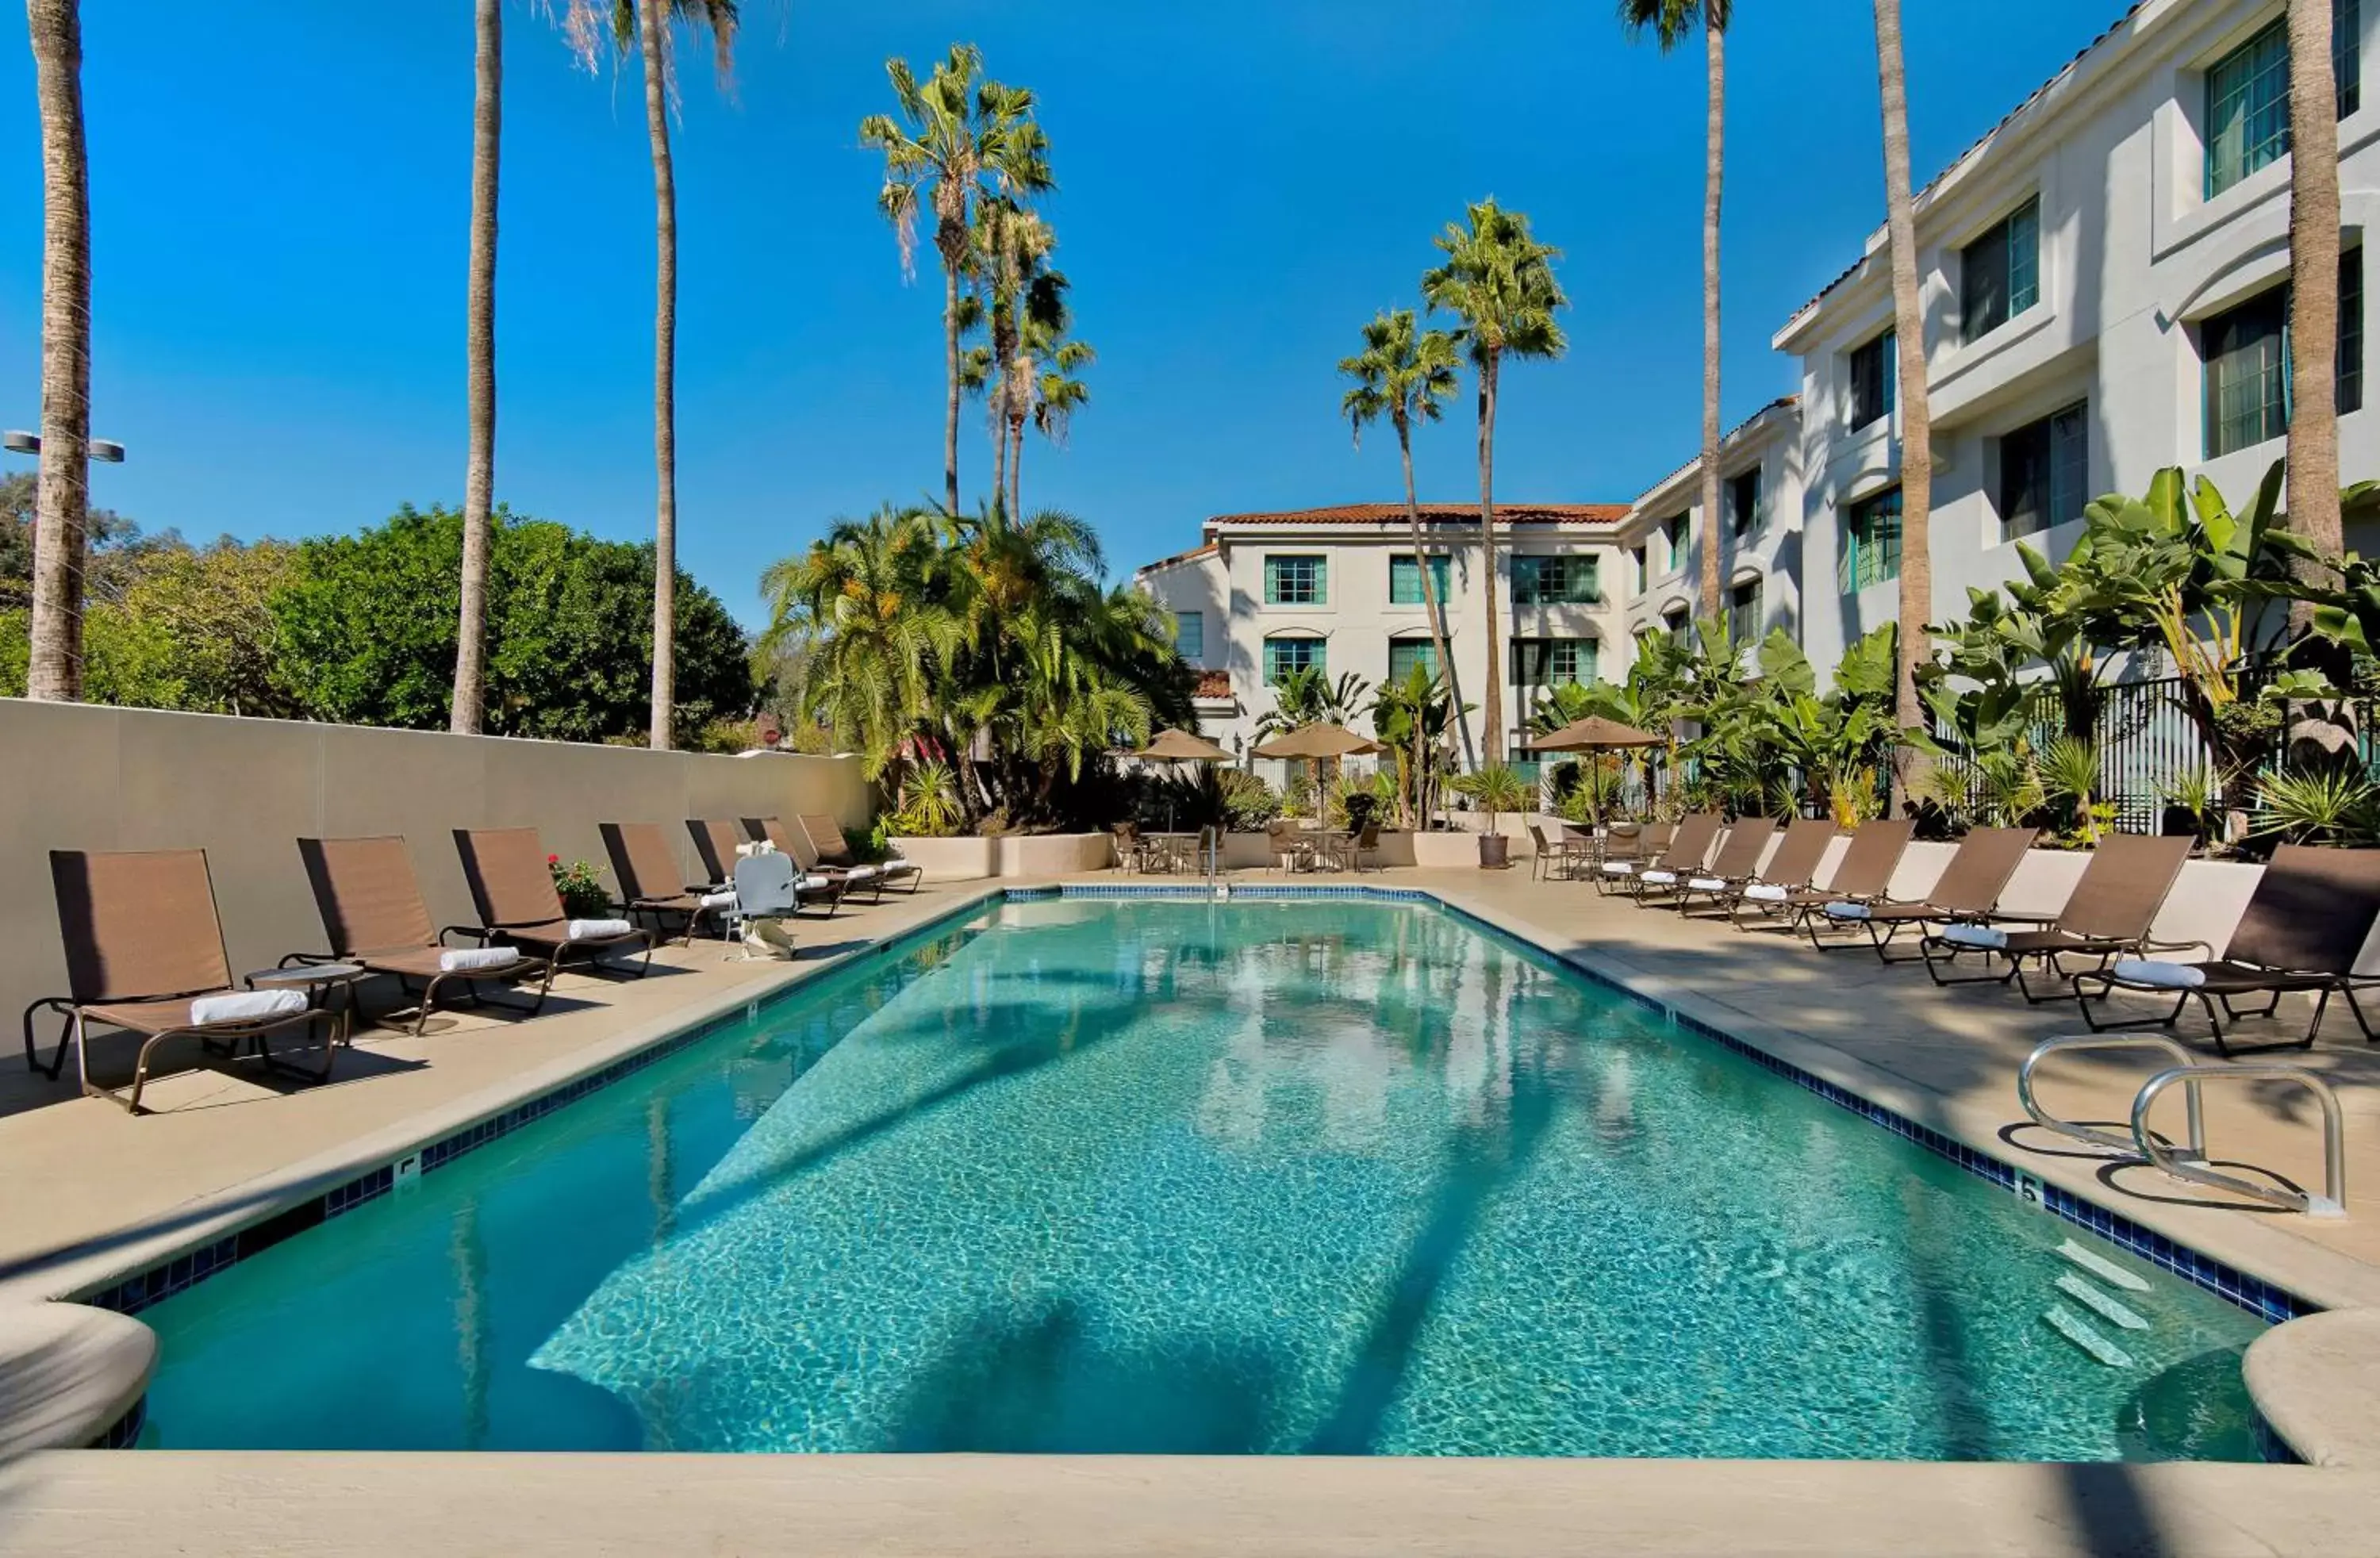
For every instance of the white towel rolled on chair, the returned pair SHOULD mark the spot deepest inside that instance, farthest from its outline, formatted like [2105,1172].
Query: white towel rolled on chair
[2162,975]
[1985,938]
[1847,911]
[246,1005]
[595,930]
[1708,884]
[1620,868]
[1658,878]
[722,899]
[462,959]
[1767,893]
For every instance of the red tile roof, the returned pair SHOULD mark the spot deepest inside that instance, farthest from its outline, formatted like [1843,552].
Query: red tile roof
[1190,556]
[1435,514]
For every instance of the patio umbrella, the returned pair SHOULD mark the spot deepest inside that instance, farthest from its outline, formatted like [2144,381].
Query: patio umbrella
[1595,734]
[1180,745]
[1318,744]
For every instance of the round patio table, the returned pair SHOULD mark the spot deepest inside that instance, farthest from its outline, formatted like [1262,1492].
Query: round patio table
[323,984]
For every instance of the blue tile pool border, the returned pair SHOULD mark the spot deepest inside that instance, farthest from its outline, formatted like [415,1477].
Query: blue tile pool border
[132,1294]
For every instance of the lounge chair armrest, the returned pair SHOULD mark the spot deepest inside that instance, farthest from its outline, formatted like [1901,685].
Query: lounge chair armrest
[477,933]
[2011,917]
[2207,947]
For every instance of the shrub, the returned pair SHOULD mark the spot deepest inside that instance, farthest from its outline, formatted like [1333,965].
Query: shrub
[580,887]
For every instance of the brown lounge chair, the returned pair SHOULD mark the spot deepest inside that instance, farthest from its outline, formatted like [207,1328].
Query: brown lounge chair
[1862,876]
[143,944]
[519,906]
[648,874]
[1739,856]
[818,883]
[1789,870]
[2107,916]
[1682,857]
[1967,892]
[372,913]
[2303,930]
[825,837]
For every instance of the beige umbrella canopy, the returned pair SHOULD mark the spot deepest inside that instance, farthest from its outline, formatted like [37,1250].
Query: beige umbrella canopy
[1595,734]
[1317,743]
[1180,746]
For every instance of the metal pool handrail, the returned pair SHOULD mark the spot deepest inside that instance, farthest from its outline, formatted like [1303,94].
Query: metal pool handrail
[2122,1146]
[2332,1202]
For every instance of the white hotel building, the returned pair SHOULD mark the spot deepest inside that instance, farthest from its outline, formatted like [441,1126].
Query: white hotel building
[2105,284]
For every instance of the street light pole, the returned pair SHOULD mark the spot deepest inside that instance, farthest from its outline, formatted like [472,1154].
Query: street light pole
[17,442]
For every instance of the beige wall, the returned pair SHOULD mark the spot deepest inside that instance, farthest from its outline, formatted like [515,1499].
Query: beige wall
[75,776]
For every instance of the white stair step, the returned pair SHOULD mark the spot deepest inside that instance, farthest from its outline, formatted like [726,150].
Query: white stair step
[2106,1309]
[2099,1266]
[2077,1330]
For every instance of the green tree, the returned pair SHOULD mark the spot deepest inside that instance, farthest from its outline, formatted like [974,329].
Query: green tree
[213,606]
[1499,282]
[1406,376]
[960,138]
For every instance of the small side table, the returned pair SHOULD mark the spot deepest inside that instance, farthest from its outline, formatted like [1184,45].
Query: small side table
[323,984]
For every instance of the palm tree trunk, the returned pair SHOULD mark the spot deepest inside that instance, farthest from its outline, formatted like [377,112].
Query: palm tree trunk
[648,26]
[1432,607]
[2313,289]
[1017,467]
[480,345]
[1916,415]
[1495,744]
[1715,154]
[63,500]
[1000,445]
[951,371]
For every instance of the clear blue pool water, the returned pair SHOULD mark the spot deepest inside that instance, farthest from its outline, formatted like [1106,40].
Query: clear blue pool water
[1319,1176]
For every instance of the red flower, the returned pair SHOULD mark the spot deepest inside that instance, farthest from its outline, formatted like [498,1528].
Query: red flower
[553,859]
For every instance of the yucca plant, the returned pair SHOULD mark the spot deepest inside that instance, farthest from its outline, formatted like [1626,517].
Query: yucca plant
[930,801]
[2069,771]
[2318,806]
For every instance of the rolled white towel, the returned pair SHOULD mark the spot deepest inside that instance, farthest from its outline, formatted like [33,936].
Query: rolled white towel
[1767,893]
[2161,975]
[247,1005]
[725,898]
[596,930]
[1620,868]
[862,873]
[756,848]
[1708,884]
[462,959]
[815,881]
[1990,938]
[1658,878]
[1847,911]
[894,865]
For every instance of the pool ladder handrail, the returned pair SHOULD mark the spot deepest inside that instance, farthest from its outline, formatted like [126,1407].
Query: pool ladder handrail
[2332,1202]
[2126,1146]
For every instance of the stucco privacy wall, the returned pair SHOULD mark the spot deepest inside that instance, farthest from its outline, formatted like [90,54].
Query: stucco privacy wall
[75,776]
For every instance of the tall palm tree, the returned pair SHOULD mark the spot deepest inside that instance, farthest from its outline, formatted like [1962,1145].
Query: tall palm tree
[1670,23]
[1010,254]
[61,502]
[2314,291]
[644,26]
[1052,358]
[1406,376]
[961,138]
[1917,410]
[479,374]
[1499,282]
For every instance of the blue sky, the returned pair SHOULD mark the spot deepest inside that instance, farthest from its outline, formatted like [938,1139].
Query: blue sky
[281,197]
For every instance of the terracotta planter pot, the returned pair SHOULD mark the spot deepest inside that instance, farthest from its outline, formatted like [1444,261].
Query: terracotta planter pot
[1495,852]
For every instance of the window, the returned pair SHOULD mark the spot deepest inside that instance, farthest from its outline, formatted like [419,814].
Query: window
[1744,502]
[1999,273]
[1743,612]
[1675,620]
[1643,571]
[1283,655]
[2044,469]
[1190,636]
[2247,353]
[1553,661]
[2247,122]
[1677,532]
[1875,380]
[1406,653]
[1560,580]
[1296,582]
[1405,581]
[1871,550]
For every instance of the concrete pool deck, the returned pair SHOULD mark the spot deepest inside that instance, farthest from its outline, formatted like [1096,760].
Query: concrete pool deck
[106,1188]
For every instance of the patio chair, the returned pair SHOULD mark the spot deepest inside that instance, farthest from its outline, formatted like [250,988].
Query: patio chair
[2107,916]
[818,883]
[1790,869]
[1351,848]
[1860,877]
[144,953]
[1563,858]
[1738,856]
[648,874]
[518,907]
[374,917]
[1132,850]
[825,837]
[1681,859]
[1967,892]
[1291,849]
[2303,930]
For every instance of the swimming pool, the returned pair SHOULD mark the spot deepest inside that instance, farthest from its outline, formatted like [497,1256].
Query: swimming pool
[1321,1177]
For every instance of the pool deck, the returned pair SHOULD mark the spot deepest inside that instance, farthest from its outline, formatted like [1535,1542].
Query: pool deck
[95,1191]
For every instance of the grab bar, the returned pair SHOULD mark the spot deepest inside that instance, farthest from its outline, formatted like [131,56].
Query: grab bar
[2332,1202]
[2121,1145]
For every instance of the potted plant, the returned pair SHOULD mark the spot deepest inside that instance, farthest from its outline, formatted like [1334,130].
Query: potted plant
[1496,788]
[580,887]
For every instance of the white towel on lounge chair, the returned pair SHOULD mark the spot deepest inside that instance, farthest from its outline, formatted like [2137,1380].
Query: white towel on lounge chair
[461,959]
[1658,878]
[596,930]
[893,865]
[246,1005]
[1847,911]
[1620,868]
[1708,884]
[1767,893]
[725,899]
[1987,938]
[862,873]
[2161,975]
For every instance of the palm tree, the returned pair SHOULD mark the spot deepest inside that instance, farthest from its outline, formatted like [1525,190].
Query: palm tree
[480,350]
[1046,366]
[641,25]
[1499,282]
[1916,412]
[965,139]
[62,497]
[1670,22]
[2314,291]
[1405,375]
